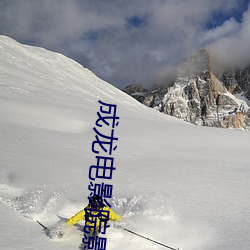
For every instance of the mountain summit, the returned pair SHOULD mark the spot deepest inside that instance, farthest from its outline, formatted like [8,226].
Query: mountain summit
[202,97]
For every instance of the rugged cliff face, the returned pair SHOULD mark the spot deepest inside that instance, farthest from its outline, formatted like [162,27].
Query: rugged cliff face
[237,81]
[201,97]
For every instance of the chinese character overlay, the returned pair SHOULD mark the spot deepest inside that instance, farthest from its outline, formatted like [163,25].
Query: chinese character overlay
[104,145]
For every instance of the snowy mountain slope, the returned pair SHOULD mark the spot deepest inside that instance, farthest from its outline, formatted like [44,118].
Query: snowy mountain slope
[182,185]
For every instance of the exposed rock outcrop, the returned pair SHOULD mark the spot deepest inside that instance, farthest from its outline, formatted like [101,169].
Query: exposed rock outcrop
[198,96]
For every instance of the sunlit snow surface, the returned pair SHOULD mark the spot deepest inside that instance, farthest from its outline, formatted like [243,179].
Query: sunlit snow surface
[182,185]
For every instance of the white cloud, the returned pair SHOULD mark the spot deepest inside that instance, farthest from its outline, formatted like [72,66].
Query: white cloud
[233,50]
[97,32]
[228,28]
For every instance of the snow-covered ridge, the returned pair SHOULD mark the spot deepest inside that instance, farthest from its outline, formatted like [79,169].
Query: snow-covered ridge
[33,74]
[33,68]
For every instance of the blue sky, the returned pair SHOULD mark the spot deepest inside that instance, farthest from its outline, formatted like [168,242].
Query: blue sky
[218,17]
[131,41]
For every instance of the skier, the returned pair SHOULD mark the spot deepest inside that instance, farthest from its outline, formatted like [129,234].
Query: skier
[96,216]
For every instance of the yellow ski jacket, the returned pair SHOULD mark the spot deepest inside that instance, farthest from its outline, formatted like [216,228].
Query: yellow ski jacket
[94,218]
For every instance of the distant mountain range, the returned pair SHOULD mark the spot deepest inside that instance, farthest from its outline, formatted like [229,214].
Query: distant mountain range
[201,94]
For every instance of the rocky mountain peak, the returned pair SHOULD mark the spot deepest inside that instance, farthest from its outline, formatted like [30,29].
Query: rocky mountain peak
[200,96]
[197,64]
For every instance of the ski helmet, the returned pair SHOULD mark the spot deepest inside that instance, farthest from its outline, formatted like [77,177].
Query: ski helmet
[96,201]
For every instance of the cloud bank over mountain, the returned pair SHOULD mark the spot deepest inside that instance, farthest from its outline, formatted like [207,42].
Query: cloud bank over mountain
[132,41]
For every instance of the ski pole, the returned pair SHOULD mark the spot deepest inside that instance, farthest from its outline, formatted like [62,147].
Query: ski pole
[150,239]
[45,228]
